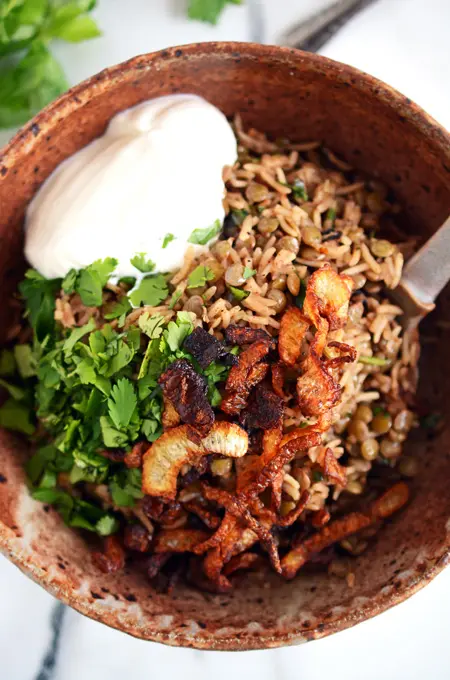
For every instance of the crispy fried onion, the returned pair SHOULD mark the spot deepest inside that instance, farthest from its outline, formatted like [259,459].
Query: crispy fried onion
[249,371]
[293,328]
[183,445]
[326,306]
[244,335]
[170,416]
[239,531]
[331,469]
[386,505]
[187,390]
[327,297]
[112,558]
[205,348]
[178,540]
[264,411]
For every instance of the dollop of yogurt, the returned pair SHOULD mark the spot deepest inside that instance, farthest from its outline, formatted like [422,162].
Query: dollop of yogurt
[155,172]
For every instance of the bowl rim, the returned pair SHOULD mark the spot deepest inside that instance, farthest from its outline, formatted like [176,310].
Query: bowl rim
[24,141]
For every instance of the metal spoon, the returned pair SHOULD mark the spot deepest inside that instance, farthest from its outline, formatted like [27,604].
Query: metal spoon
[311,34]
[424,276]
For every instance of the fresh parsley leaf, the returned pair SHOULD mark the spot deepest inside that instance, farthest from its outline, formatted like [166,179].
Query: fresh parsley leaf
[14,415]
[300,299]
[299,190]
[112,438]
[200,276]
[121,307]
[152,326]
[178,331]
[77,334]
[15,392]
[151,291]
[373,361]
[122,403]
[238,293]
[125,487]
[203,236]
[29,85]
[208,10]
[25,361]
[167,239]
[331,215]
[248,273]
[39,294]
[90,281]
[107,525]
[30,77]
[89,467]
[140,262]
[69,281]
[239,216]
[174,299]
[7,363]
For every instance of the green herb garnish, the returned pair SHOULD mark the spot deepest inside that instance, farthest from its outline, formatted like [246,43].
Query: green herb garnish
[248,273]
[167,239]
[141,262]
[200,276]
[331,215]
[174,299]
[30,77]
[208,10]
[203,236]
[300,299]
[238,293]
[239,216]
[151,291]
[299,190]
[374,361]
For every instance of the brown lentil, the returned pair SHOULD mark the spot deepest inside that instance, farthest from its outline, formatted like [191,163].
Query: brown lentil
[280,299]
[381,248]
[288,243]
[381,423]
[369,449]
[256,192]
[234,275]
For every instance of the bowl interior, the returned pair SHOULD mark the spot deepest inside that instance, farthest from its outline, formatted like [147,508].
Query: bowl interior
[287,94]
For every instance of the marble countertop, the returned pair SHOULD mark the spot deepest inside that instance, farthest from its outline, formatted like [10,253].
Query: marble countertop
[405,43]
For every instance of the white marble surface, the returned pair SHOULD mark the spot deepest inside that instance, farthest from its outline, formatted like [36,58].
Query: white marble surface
[404,42]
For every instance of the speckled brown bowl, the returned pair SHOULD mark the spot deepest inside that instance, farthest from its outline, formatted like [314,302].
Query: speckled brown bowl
[290,94]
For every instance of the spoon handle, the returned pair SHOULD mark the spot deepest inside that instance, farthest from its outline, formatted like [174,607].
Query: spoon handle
[428,271]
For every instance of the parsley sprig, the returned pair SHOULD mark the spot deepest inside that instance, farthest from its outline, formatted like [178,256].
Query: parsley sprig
[30,76]
[91,389]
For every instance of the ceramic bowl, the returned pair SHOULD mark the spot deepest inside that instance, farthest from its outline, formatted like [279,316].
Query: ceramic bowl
[285,93]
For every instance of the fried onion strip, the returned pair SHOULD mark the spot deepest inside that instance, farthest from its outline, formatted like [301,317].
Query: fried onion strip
[390,502]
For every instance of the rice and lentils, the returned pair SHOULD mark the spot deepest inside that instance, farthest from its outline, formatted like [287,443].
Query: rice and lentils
[291,209]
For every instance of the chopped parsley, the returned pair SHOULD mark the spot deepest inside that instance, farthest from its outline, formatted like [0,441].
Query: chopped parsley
[248,273]
[239,216]
[208,10]
[300,299]
[331,215]
[203,236]
[174,299]
[299,190]
[140,262]
[200,276]
[167,239]
[374,361]
[238,293]
[93,389]
[152,290]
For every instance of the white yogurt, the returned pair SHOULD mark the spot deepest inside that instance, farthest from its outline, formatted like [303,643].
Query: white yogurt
[157,170]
